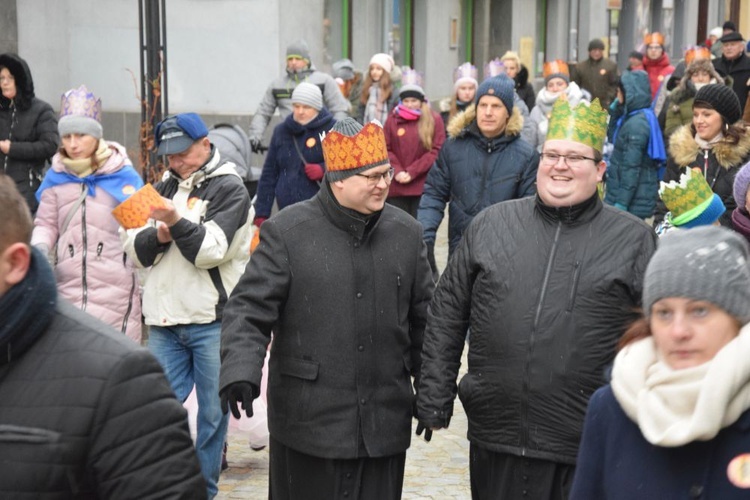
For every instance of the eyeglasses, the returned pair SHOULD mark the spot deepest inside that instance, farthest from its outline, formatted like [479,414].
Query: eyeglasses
[374,179]
[570,160]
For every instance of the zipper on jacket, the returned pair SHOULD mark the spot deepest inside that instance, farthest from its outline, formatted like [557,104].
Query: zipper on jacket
[537,314]
[574,288]
[99,249]
[124,327]
[84,255]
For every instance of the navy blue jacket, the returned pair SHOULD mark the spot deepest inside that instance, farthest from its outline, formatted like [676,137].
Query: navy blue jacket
[616,462]
[632,176]
[283,175]
[473,172]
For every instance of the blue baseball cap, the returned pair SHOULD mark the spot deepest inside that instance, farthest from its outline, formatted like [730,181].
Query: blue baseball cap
[174,134]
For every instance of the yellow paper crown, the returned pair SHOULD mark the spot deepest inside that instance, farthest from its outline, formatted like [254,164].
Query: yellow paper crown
[354,153]
[586,124]
[691,191]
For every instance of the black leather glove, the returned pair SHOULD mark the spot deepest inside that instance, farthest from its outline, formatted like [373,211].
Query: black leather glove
[427,431]
[238,392]
[431,260]
[255,145]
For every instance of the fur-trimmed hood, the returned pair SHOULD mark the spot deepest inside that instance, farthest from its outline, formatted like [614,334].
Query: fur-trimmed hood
[24,83]
[459,125]
[684,149]
[686,89]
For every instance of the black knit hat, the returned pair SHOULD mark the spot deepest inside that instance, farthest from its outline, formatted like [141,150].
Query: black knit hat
[721,98]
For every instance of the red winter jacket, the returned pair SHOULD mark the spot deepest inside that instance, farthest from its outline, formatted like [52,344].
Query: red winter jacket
[658,70]
[406,152]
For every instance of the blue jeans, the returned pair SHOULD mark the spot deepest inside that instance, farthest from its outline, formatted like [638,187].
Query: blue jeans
[189,355]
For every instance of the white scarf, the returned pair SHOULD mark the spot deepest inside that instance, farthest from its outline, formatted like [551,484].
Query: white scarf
[708,144]
[675,407]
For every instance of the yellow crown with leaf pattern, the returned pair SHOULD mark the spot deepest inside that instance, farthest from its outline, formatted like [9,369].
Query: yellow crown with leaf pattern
[585,124]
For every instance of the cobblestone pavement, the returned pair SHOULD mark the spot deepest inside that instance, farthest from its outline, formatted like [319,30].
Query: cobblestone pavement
[435,470]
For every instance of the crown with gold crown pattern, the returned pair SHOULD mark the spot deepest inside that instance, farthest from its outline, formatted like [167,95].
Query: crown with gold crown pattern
[81,102]
[364,150]
[684,195]
[494,68]
[466,70]
[585,124]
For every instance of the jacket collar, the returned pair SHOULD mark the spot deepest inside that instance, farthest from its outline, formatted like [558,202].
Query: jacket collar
[352,222]
[571,216]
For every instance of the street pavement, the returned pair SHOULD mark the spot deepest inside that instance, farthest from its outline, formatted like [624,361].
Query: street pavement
[435,470]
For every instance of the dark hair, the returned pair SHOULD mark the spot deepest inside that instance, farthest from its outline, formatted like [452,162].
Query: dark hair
[16,223]
[729,25]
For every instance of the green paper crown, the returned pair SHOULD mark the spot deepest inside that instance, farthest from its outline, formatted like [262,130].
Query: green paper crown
[586,124]
[690,192]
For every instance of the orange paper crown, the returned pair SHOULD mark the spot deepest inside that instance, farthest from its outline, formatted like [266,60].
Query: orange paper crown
[696,53]
[134,211]
[655,38]
[555,67]
[362,151]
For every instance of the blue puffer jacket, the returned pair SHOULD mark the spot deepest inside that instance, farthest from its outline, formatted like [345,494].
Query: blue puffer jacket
[283,175]
[632,180]
[473,172]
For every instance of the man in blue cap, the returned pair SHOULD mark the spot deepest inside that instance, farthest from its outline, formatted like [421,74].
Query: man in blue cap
[196,248]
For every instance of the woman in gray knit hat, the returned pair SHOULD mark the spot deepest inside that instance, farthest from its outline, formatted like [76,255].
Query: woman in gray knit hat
[675,420]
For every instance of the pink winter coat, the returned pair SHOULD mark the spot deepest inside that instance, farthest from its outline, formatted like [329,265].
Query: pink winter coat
[92,270]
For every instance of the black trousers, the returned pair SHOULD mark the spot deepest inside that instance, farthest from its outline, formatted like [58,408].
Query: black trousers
[297,476]
[409,204]
[500,476]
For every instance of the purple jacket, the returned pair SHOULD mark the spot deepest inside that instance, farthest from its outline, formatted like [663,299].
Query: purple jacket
[92,270]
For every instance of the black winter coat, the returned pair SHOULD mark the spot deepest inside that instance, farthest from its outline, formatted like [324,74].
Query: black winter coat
[31,126]
[346,300]
[473,172]
[547,293]
[85,413]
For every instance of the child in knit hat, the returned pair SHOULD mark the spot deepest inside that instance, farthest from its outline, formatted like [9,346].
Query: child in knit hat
[464,89]
[378,95]
[690,201]
[414,135]
[88,178]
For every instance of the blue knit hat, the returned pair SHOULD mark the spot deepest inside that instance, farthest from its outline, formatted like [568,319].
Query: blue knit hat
[500,86]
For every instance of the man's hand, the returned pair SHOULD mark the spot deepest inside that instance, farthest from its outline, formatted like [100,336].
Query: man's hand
[238,392]
[163,234]
[255,145]
[168,215]
[5,146]
[427,431]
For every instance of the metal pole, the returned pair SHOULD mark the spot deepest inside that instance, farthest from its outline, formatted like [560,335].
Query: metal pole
[152,28]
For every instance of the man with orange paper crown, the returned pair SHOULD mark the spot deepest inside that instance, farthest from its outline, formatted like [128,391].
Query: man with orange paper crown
[343,281]
[196,249]
[547,285]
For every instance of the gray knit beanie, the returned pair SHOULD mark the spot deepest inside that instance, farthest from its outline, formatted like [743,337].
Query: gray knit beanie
[705,263]
[308,94]
[299,49]
[76,124]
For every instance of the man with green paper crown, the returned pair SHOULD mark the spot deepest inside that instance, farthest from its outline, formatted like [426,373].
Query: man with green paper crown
[547,285]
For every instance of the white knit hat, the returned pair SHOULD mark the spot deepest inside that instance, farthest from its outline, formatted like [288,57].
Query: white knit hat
[385,61]
[308,94]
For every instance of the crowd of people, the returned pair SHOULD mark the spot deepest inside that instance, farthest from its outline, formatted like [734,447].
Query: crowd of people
[597,276]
